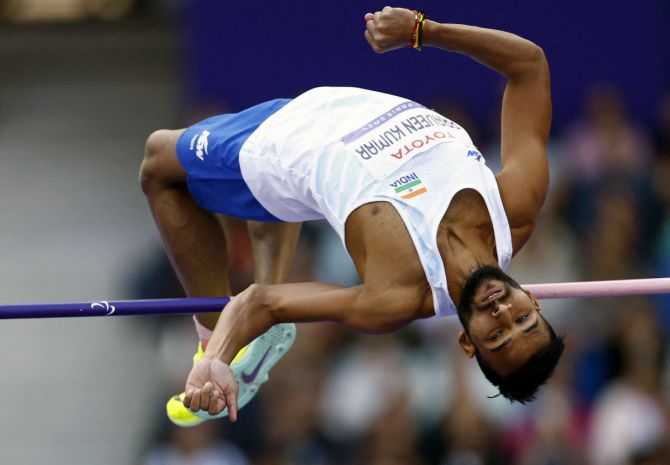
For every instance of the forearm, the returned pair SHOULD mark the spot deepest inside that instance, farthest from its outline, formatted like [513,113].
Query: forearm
[507,53]
[259,307]
[255,310]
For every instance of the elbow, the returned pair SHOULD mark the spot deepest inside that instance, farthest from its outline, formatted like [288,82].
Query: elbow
[537,60]
[536,53]
[531,63]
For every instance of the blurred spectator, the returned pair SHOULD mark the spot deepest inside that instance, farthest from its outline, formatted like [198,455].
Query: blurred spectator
[606,151]
[370,376]
[631,416]
[469,436]
[606,140]
[612,245]
[201,445]
[289,403]
[553,430]
[393,437]
[662,188]
[661,128]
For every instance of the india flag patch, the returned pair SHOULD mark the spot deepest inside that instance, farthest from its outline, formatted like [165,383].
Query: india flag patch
[411,189]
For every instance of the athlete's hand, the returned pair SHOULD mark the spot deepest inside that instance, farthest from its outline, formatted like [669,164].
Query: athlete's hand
[211,387]
[389,29]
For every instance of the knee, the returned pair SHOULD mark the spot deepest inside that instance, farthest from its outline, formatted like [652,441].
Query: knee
[151,169]
[259,231]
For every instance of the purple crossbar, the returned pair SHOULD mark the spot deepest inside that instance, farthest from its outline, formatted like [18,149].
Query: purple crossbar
[216,304]
[115,308]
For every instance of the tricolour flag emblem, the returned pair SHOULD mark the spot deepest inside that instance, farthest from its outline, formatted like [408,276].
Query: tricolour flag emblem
[412,189]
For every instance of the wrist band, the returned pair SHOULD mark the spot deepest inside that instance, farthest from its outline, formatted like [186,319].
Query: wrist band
[416,41]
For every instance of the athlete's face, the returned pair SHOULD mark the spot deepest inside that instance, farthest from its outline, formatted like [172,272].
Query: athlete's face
[501,321]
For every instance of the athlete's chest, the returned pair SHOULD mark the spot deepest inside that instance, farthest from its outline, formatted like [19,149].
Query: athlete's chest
[381,245]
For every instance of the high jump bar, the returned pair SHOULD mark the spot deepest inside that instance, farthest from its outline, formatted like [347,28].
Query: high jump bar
[616,288]
[624,287]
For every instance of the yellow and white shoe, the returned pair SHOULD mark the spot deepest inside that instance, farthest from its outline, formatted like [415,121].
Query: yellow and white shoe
[250,367]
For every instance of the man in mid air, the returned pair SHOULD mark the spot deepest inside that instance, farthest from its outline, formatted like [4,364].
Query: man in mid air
[400,184]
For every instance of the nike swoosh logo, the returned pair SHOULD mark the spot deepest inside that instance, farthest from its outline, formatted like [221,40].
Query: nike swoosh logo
[250,377]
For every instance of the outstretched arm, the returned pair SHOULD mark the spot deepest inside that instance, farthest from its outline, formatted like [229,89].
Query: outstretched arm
[526,108]
[211,386]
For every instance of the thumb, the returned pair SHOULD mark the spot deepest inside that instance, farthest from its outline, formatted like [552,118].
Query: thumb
[369,16]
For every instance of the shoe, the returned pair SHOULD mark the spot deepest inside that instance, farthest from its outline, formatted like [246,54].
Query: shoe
[250,368]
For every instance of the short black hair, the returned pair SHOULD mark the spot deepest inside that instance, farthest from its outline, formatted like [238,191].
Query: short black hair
[522,385]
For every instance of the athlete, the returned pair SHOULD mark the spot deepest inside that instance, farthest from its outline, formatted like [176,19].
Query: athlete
[429,227]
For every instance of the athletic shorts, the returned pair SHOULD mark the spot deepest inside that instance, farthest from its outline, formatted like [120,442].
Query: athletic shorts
[209,151]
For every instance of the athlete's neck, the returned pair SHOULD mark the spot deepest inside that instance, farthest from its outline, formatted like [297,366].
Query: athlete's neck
[466,241]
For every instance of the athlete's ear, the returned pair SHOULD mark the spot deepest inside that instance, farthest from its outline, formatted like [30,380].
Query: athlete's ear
[466,344]
[533,300]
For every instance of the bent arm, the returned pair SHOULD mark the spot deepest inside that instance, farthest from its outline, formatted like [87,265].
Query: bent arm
[526,107]
[259,307]
[526,111]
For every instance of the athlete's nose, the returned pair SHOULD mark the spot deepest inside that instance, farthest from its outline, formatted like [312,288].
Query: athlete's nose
[501,310]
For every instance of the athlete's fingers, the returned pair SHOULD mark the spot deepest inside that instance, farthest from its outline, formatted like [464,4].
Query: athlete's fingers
[369,16]
[368,36]
[195,400]
[373,43]
[370,26]
[216,404]
[376,16]
[188,395]
[205,395]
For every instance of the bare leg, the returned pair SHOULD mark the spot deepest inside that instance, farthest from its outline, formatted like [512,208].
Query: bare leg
[273,245]
[193,237]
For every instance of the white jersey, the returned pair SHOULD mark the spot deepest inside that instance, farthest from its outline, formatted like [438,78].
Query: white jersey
[333,149]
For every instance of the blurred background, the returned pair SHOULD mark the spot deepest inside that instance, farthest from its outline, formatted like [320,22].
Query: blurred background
[83,83]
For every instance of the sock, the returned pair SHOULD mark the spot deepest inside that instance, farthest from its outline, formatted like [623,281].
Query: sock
[205,334]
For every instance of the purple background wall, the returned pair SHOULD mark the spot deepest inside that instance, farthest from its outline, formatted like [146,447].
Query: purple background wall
[245,52]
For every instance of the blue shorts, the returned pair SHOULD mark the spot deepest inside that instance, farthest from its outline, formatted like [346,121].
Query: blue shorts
[209,151]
